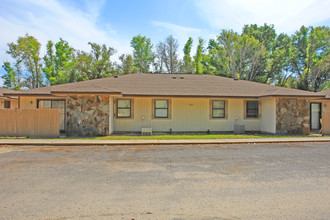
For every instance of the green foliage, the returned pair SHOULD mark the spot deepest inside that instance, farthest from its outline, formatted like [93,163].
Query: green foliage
[301,60]
[126,66]
[199,57]
[188,66]
[26,53]
[58,65]
[94,65]
[11,79]
[310,57]
[143,56]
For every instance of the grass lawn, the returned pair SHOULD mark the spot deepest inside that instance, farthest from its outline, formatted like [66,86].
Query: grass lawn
[190,136]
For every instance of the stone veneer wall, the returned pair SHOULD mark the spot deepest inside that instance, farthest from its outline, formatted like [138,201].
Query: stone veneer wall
[292,116]
[87,115]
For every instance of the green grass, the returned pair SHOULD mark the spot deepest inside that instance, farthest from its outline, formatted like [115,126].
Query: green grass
[178,137]
[192,136]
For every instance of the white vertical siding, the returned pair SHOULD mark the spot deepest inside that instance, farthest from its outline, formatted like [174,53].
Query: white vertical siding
[268,115]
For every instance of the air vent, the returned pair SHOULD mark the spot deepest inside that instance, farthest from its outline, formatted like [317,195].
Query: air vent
[173,77]
[235,79]
[115,76]
[181,77]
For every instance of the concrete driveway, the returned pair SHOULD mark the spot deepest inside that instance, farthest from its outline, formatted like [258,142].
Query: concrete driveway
[265,181]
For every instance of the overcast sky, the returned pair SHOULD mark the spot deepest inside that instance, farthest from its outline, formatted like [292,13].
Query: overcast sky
[115,22]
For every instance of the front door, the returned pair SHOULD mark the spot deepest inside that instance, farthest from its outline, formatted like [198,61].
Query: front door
[315,116]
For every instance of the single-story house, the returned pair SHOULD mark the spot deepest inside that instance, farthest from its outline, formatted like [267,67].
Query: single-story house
[176,103]
[6,101]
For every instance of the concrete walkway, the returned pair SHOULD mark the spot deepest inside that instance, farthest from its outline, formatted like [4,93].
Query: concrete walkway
[71,142]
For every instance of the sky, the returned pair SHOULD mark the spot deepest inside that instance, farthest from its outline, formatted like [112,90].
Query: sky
[116,22]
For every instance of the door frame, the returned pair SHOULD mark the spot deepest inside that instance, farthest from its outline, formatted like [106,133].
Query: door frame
[320,114]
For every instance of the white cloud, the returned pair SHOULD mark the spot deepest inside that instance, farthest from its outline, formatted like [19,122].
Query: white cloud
[286,15]
[51,19]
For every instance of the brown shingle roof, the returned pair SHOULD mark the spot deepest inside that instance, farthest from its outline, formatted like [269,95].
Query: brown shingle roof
[7,92]
[3,90]
[194,85]
[326,93]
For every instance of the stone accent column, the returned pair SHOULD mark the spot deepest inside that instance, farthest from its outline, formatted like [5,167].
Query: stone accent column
[292,116]
[87,115]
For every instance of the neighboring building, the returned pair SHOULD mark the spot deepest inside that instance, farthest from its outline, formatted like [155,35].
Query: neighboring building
[174,103]
[7,101]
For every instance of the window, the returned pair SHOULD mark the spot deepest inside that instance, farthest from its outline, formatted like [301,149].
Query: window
[123,108]
[7,104]
[161,108]
[218,109]
[252,109]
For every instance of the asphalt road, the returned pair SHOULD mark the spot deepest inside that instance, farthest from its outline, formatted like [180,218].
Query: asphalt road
[263,181]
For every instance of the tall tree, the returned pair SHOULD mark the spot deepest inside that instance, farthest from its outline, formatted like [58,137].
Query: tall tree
[11,79]
[167,51]
[126,66]
[310,57]
[58,64]
[143,56]
[188,66]
[159,61]
[237,56]
[199,57]
[26,52]
[96,64]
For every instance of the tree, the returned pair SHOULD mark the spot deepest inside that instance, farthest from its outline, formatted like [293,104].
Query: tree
[167,55]
[94,65]
[143,56]
[279,66]
[188,66]
[58,65]
[199,57]
[310,57]
[26,52]
[126,66]
[266,34]
[159,61]
[222,53]
[11,79]
[250,58]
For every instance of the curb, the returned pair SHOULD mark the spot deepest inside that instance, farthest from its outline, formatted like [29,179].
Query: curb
[158,142]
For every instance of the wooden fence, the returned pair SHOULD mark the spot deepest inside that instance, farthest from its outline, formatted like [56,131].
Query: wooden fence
[29,123]
[326,122]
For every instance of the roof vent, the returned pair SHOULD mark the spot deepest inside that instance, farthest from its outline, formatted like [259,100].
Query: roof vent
[235,78]
[181,77]
[115,76]
[173,77]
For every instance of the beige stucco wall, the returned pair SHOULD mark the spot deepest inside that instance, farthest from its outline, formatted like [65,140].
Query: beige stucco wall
[30,102]
[268,115]
[187,115]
